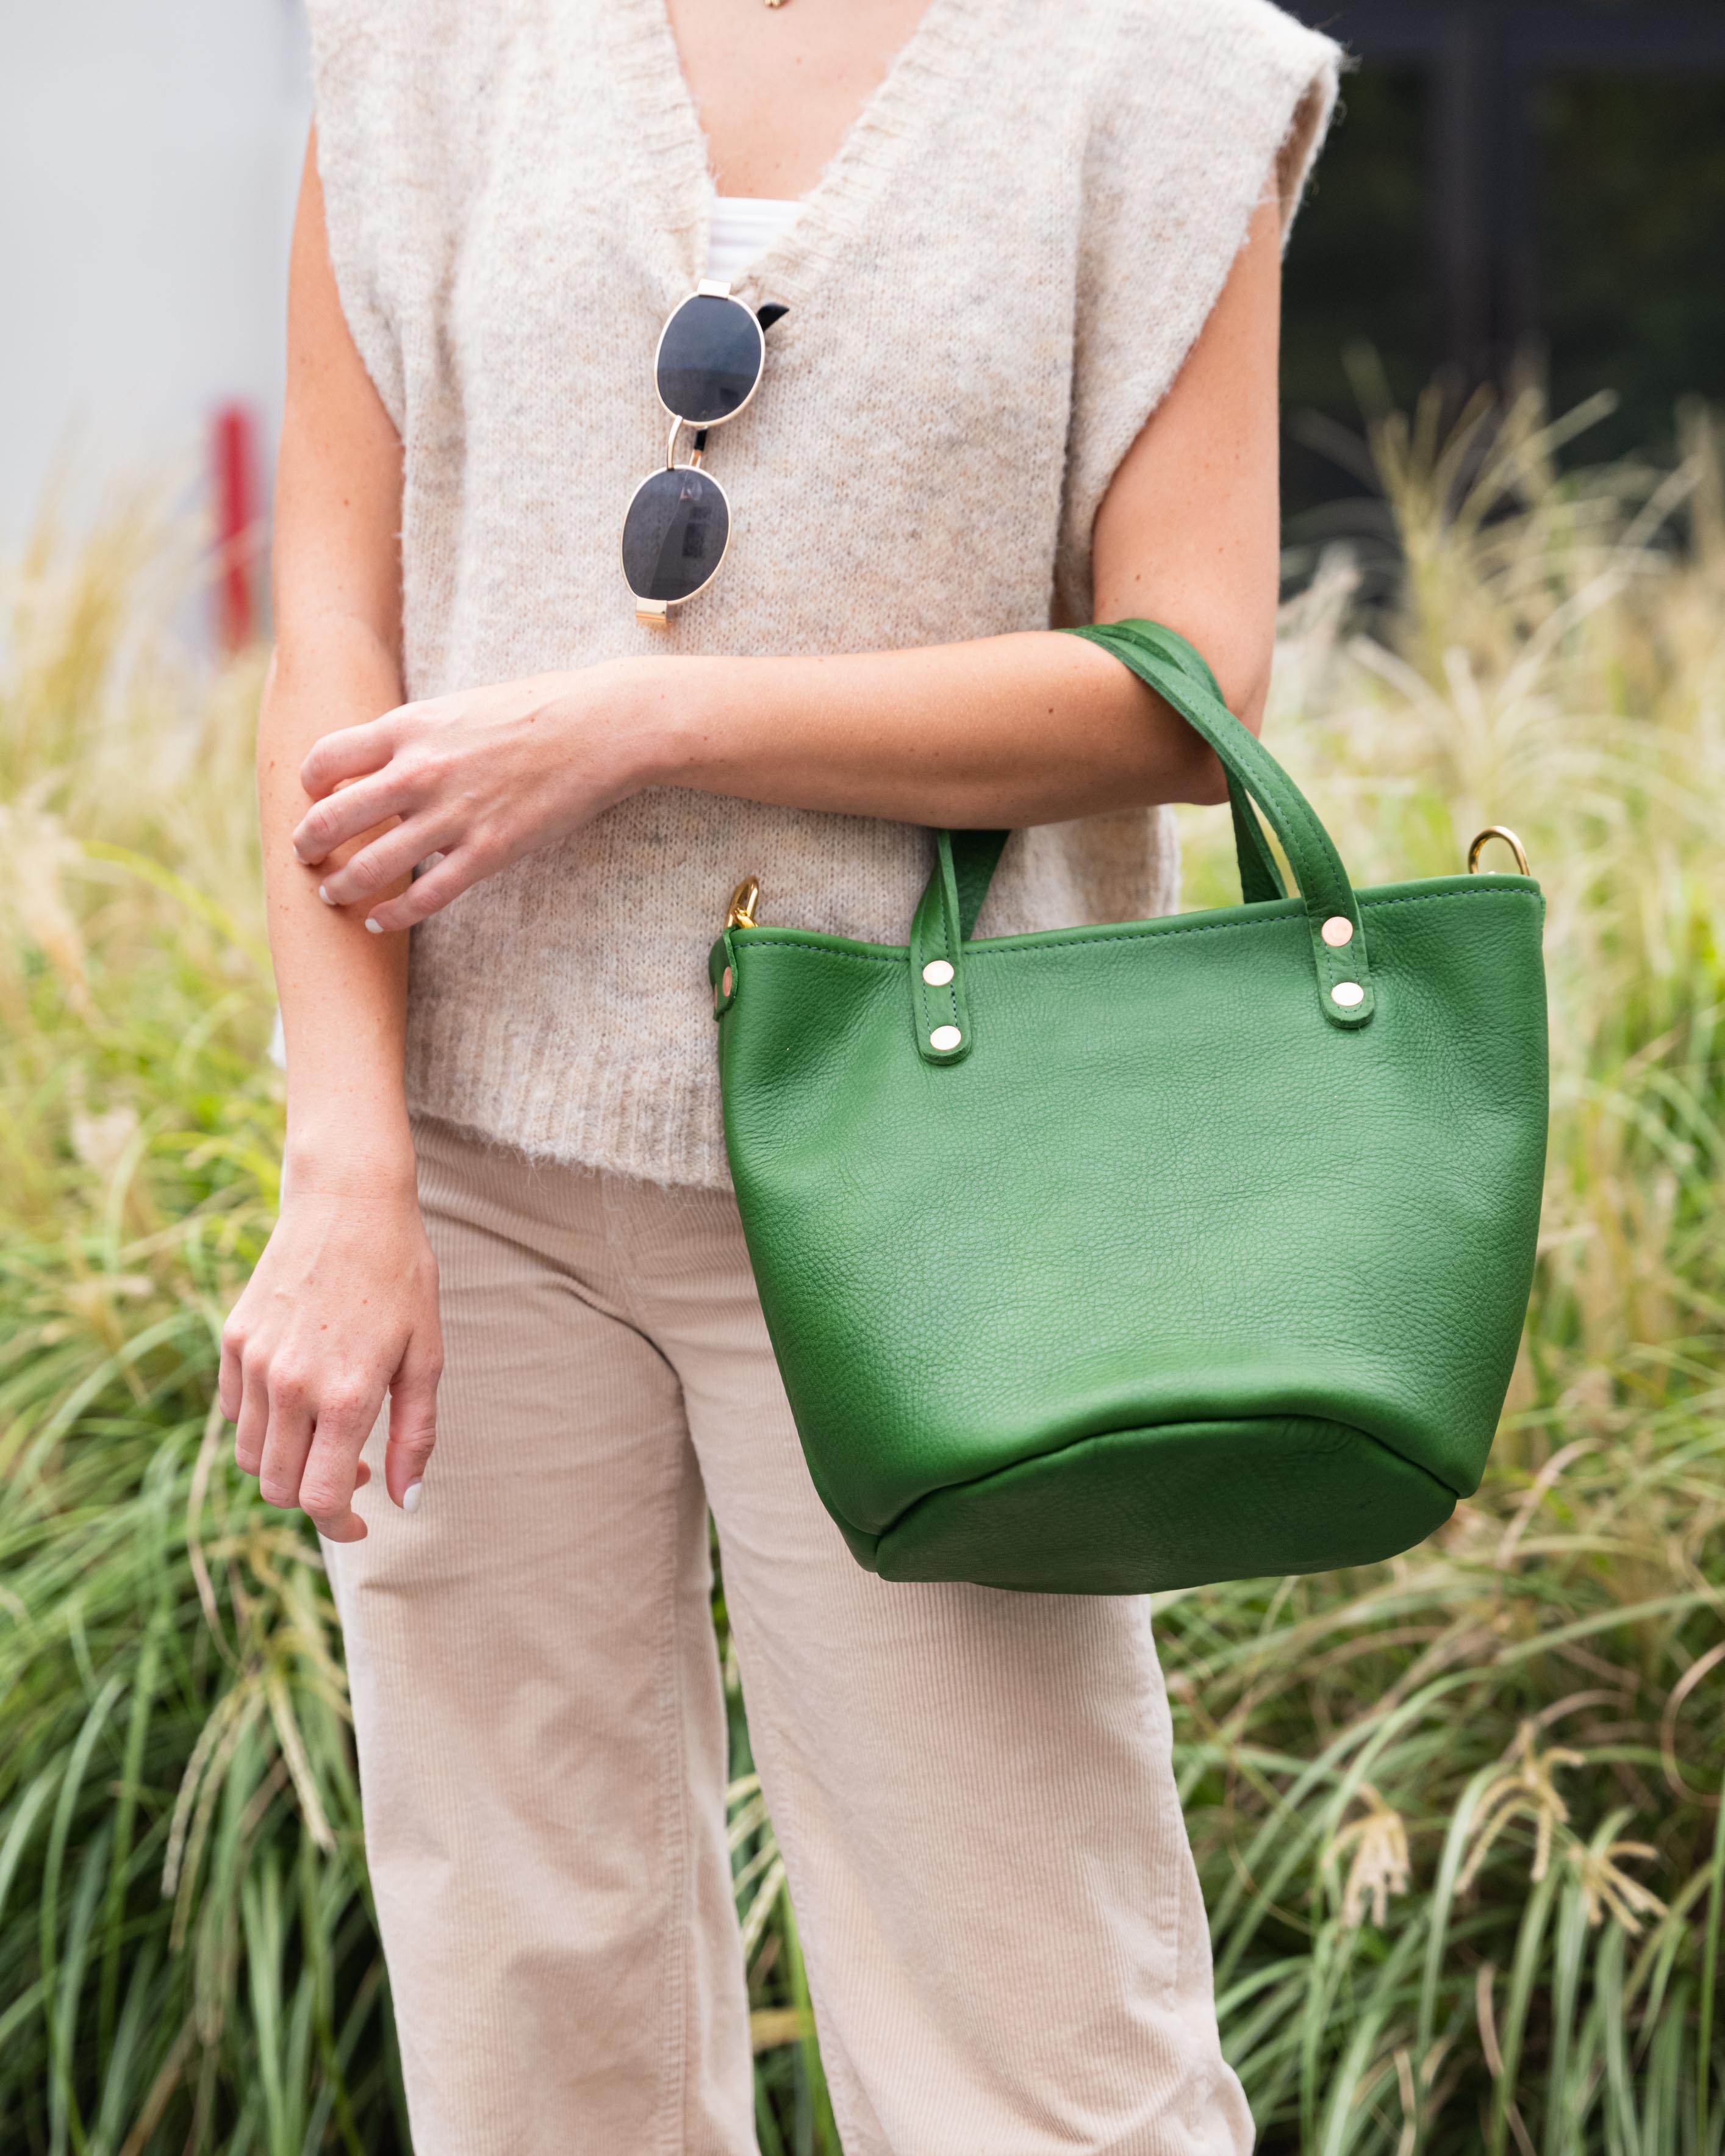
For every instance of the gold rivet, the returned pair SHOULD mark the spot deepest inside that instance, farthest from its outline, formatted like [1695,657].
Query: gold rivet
[725,982]
[1347,993]
[938,973]
[945,1037]
[1336,931]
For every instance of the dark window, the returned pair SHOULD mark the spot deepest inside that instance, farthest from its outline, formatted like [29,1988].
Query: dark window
[1540,178]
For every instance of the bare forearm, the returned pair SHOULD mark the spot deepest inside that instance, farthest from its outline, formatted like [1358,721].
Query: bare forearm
[998,732]
[343,992]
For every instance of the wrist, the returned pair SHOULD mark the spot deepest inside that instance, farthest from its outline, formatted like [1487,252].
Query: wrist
[663,711]
[350,1158]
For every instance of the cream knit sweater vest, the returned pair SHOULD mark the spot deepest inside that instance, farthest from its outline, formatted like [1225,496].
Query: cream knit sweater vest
[990,289]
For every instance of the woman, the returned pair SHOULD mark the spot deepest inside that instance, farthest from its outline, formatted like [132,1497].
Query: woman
[1030,256]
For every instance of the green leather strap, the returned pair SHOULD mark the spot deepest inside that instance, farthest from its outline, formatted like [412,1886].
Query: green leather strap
[937,933]
[1323,881]
[976,856]
[1259,878]
[965,861]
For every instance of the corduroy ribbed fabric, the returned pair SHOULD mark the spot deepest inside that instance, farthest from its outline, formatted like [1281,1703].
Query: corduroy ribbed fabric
[990,287]
[973,1791]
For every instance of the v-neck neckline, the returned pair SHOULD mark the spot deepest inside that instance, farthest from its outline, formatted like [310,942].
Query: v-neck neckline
[671,171]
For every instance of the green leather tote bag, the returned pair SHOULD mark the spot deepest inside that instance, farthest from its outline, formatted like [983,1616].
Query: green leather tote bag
[1133,1257]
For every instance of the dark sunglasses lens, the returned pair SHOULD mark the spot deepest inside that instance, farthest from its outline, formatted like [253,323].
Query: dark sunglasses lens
[709,359]
[675,534]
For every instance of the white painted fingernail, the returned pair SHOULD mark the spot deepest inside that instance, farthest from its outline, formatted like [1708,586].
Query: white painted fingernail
[323,892]
[411,1495]
[298,855]
[375,927]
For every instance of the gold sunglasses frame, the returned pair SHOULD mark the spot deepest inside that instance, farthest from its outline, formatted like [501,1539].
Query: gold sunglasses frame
[656,613]
[710,289]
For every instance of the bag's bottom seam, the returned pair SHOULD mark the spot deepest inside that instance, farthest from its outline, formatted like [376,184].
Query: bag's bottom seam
[1092,1437]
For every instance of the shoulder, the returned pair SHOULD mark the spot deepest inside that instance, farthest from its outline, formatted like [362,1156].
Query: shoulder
[1219,64]
[433,50]
[398,94]
[402,91]
[426,26]
[1200,39]
[362,33]
[1183,91]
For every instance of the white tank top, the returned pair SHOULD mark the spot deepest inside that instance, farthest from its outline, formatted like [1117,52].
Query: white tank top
[743,227]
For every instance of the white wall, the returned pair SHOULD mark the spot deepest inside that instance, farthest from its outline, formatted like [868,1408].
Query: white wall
[149,154]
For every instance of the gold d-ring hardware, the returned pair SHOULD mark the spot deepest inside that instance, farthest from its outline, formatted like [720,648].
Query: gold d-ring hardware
[746,896]
[1498,831]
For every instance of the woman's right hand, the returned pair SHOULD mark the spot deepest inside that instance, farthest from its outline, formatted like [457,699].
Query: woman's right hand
[341,1308]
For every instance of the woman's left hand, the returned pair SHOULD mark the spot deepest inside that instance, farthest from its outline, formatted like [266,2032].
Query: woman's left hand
[480,778]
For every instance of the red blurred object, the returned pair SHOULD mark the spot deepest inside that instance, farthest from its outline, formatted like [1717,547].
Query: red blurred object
[233,467]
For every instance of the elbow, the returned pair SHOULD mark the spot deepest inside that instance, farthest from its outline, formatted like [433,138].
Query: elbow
[1248,699]
[1209,786]
[1245,691]
[1245,684]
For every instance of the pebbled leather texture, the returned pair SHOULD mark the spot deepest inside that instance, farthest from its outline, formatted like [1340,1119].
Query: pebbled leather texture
[1165,1278]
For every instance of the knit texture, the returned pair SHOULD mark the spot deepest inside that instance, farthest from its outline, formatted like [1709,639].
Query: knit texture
[990,287]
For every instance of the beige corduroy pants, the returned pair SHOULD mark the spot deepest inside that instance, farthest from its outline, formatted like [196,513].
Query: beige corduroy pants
[972,1789]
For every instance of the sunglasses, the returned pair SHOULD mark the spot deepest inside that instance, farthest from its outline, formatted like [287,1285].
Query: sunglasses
[707,367]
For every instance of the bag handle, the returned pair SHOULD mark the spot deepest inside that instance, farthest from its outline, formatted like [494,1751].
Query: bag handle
[965,861]
[1259,878]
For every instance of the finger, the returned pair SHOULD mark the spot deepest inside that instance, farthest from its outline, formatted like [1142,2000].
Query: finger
[349,1528]
[230,1385]
[412,1415]
[349,752]
[355,809]
[432,892]
[362,1475]
[252,1420]
[286,1442]
[390,859]
[334,1470]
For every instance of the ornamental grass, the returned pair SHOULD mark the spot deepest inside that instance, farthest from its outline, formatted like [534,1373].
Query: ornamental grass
[1458,1817]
